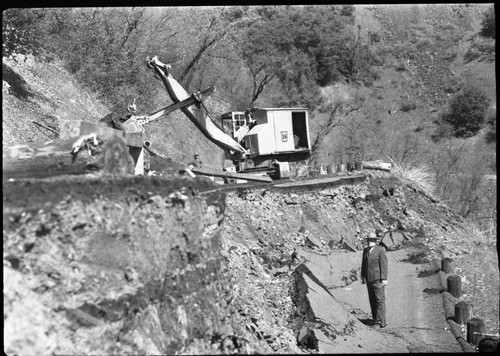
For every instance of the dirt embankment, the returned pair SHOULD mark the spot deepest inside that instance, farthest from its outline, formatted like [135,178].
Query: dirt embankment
[156,265]
[110,266]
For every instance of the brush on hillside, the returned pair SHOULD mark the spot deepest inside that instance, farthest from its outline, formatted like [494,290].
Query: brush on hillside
[420,176]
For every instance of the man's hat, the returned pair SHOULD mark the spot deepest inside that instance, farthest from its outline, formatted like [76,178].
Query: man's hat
[372,236]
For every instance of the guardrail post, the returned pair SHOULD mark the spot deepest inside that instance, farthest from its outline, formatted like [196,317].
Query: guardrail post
[447,265]
[475,331]
[462,313]
[455,286]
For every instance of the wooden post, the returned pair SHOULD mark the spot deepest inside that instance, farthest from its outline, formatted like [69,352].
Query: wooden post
[378,165]
[443,284]
[448,305]
[475,331]
[462,313]
[455,286]
[447,265]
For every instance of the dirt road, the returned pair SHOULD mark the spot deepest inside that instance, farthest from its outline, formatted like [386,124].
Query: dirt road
[415,315]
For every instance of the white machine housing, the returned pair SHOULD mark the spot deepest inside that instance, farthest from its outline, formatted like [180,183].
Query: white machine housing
[278,131]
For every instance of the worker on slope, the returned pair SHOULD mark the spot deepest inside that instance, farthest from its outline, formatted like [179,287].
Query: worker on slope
[374,272]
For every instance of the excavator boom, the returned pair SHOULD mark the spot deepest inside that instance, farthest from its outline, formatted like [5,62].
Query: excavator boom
[200,117]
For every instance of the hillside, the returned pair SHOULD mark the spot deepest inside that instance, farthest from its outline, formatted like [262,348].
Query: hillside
[45,93]
[423,54]
[168,264]
[421,51]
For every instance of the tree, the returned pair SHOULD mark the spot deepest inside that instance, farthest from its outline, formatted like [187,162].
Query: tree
[20,31]
[467,110]
[460,167]
[105,48]
[298,46]
[258,51]
[216,25]
[488,23]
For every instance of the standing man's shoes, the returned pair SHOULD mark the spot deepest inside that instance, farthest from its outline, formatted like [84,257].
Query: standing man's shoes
[383,325]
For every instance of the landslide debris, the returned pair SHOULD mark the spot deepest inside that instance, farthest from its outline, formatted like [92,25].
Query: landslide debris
[272,239]
[164,268]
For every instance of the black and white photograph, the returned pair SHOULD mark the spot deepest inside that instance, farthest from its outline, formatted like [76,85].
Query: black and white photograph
[220,179]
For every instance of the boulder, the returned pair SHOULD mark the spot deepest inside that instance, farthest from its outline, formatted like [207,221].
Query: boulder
[313,241]
[349,246]
[393,240]
[306,338]
[320,265]
[324,343]
[327,318]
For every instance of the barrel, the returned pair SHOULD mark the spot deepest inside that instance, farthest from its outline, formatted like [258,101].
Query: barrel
[475,331]
[350,166]
[462,313]
[447,265]
[455,286]
[329,169]
[341,168]
[359,166]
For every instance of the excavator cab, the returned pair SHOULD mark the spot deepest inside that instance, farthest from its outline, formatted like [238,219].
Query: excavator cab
[237,124]
[278,131]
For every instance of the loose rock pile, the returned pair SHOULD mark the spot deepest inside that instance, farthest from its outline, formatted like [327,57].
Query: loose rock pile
[280,245]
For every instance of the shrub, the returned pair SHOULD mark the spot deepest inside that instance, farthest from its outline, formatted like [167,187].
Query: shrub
[421,176]
[482,49]
[369,76]
[466,112]
[491,120]
[407,105]
[447,26]
[443,130]
[404,50]
[400,66]
[424,43]
[374,37]
[20,33]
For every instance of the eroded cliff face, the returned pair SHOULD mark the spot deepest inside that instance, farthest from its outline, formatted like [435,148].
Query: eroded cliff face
[110,266]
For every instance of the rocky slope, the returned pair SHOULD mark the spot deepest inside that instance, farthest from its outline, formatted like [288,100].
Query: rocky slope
[269,237]
[156,265]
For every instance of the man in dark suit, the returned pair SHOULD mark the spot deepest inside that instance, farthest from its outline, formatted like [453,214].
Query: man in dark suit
[374,273]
